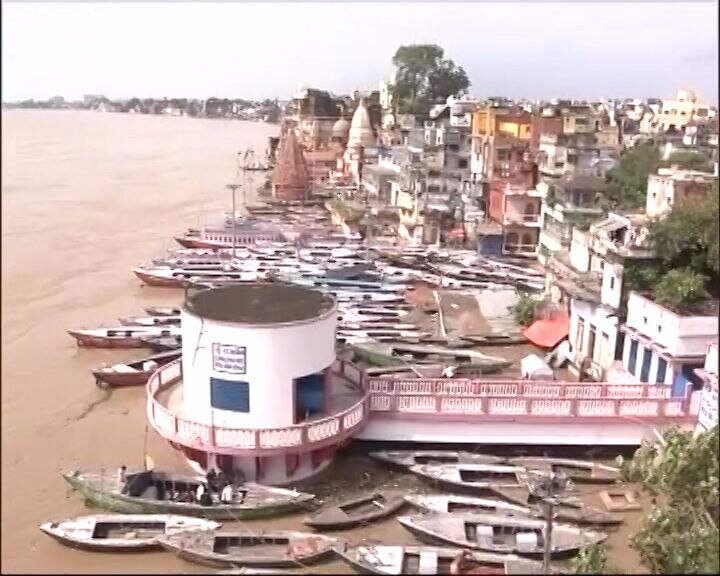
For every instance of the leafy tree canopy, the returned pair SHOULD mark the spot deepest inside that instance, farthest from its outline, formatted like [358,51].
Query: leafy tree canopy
[690,160]
[627,182]
[424,77]
[679,289]
[689,236]
[680,536]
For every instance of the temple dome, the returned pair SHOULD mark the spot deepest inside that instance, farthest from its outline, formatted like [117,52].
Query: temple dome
[340,128]
[361,133]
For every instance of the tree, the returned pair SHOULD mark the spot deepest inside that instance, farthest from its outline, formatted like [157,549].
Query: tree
[591,560]
[689,236]
[524,309]
[689,160]
[627,182]
[679,289]
[424,77]
[680,536]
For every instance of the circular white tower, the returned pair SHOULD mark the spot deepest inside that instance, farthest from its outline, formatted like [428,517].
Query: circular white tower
[256,391]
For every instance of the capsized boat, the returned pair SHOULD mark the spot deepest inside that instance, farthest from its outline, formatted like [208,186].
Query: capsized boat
[123,337]
[264,548]
[149,492]
[121,532]
[357,511]
[474,478]
[134,373]
[433,560]
[499,533]
[581,471]
[452,503]
[407,458]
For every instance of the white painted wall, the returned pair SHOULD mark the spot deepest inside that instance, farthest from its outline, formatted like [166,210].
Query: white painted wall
[275,355]
[390,429]
[711,359]
[580,251]
[606,333]
[611,289]
[680,335]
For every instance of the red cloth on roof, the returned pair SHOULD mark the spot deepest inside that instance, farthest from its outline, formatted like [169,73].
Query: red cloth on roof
[548,333]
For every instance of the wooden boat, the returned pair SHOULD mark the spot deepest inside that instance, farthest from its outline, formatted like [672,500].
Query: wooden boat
[133,373]
[451,503]
[162,310]
[272,548]
[255,571]
[498,533]
[522,496]
[432,560]
[124,337]
[581,471]
[165,277]
[162,343]
[121,532]
[355,512]
[407,458]
[478,479]
[145,493]
[150,321]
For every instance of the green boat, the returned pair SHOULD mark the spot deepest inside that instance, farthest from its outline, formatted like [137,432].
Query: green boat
[148,492]
[387,355]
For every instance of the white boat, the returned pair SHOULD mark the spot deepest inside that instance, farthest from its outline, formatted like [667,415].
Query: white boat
[122,532]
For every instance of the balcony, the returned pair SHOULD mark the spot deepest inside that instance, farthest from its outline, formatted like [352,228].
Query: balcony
[532,220]
[164,410]
[519,249]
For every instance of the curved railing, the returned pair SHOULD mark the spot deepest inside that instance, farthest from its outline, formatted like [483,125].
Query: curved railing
[306,436]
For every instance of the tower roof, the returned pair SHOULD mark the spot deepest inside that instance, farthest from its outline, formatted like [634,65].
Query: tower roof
[340,128]
[361,133]
[290,169]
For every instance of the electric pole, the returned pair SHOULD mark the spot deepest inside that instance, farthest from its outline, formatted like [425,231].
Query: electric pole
[233,187]
[548,488]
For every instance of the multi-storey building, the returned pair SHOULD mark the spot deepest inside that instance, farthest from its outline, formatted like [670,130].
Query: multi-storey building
[568,202]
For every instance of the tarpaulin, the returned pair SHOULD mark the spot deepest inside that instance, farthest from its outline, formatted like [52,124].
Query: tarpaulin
[548,333]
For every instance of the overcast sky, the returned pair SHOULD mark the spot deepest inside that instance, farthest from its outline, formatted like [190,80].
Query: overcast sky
[536,50]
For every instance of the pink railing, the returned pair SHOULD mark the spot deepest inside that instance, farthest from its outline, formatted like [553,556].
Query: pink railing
[567,401]
[308,435]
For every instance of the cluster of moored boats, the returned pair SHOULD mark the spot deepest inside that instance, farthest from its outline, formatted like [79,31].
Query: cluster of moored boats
[297,244]
[496,521]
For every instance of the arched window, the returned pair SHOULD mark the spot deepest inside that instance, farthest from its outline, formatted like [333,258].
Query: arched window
[530,208]
[527,238]
[511,238]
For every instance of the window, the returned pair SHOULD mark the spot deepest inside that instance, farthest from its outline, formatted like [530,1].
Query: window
[645,367]
[462,163]
[612,282]
[633,356]
[233,395]
[661,371]
[579,336]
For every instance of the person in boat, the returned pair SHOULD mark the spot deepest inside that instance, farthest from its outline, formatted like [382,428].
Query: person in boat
[200,492]
[212,478]
[206,498]
[122,474]
[226,496]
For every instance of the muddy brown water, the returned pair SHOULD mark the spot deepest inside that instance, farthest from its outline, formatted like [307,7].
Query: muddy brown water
[85,198]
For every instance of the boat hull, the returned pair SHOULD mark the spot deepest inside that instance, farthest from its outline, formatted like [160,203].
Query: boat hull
[98,546]
[158,281]
[123,504]
[88,341]
[121,379]
[331,520]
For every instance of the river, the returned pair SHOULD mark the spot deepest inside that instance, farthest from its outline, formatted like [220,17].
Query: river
[86,197]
